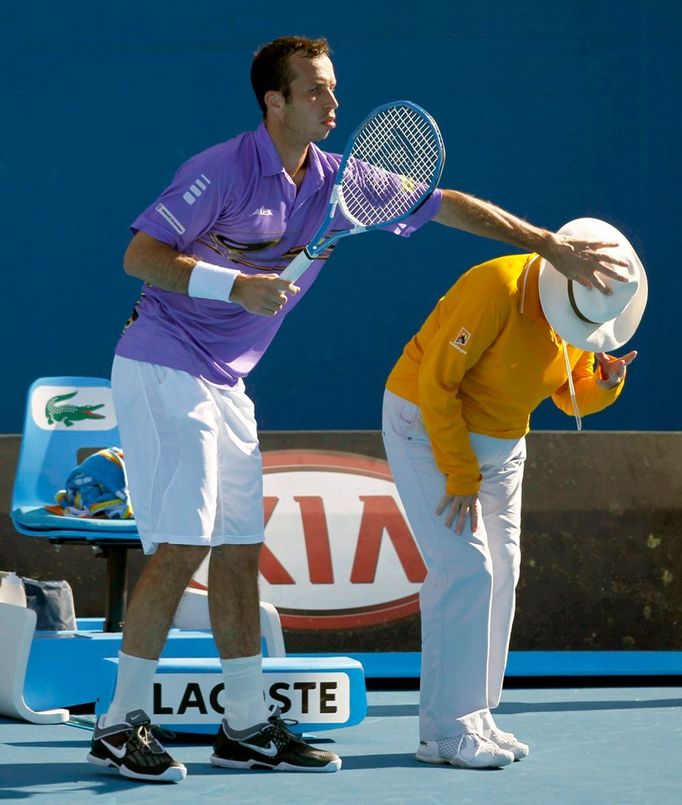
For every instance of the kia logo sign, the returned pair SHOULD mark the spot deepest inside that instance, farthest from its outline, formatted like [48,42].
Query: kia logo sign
[338,551]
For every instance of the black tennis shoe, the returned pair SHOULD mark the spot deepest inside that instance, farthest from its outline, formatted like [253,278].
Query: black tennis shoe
[132,748]
[270,745]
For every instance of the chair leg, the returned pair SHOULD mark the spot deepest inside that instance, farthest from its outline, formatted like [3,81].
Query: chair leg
[17,627]
[271,630]
[116,597]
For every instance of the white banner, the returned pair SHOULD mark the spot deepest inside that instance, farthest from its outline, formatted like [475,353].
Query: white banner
[186,698]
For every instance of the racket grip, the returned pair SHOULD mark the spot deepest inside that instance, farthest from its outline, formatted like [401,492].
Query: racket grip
[296,267]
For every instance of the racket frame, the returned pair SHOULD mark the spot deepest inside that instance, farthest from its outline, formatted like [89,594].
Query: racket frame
[319,243]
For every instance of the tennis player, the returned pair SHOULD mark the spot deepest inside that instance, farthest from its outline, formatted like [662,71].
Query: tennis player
[210,250]
[456,409]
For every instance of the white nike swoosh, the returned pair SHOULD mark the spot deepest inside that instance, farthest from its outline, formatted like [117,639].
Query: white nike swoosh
[270,750]
[118,751]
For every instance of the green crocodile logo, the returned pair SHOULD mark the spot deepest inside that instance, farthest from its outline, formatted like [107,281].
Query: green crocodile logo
[57,411]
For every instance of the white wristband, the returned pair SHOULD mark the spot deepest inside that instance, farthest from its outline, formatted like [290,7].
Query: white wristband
[208,281]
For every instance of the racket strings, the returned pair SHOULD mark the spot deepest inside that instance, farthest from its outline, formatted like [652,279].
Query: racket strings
[401,138]
[395,163]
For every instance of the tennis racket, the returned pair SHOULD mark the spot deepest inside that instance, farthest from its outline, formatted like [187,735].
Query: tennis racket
[391,165]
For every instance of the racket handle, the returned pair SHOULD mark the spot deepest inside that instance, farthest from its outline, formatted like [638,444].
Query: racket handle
[296,267]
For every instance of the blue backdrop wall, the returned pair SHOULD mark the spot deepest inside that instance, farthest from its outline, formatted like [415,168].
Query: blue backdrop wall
[553,110]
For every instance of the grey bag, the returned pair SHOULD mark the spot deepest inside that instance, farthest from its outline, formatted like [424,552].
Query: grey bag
[52,602]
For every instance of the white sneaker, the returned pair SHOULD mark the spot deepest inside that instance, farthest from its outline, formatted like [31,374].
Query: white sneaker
[468,751]
[508,742]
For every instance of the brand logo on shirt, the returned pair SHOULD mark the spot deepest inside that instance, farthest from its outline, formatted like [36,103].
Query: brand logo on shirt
[461,340]
[262,211]
[196,189]
[172,220]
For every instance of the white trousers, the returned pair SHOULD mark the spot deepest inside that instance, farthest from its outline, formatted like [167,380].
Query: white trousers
[468,597]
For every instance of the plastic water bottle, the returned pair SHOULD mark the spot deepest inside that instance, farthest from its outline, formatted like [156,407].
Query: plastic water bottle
[12,590]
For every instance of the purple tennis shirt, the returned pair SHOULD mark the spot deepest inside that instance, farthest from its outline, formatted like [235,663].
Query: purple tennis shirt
[233,205]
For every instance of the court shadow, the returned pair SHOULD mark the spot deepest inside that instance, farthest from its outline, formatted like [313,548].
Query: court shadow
[207,769]
[510,708]
[387,761]
[379,710]
[577,706]
[27,780]
[395,760]
[350,762]
[386,710]
[85,745]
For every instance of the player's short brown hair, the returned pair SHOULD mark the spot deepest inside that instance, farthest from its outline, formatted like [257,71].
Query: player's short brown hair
[270,68]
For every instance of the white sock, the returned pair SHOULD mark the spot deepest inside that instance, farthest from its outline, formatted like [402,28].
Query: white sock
[244,699]
[133,688]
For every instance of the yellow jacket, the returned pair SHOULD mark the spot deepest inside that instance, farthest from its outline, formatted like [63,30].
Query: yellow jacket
[484,359]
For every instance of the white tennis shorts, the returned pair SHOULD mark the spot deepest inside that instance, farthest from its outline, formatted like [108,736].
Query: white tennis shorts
[191,455]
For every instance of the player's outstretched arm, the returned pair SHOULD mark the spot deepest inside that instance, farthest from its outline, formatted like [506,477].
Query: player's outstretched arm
[579,260]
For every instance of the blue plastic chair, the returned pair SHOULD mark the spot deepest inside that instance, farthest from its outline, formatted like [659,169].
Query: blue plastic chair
[66,419]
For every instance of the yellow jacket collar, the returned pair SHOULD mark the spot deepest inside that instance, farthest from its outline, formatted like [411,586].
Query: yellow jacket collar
[529,303]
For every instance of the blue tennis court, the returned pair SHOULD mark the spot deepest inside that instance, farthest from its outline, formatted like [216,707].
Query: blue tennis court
[611,745]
